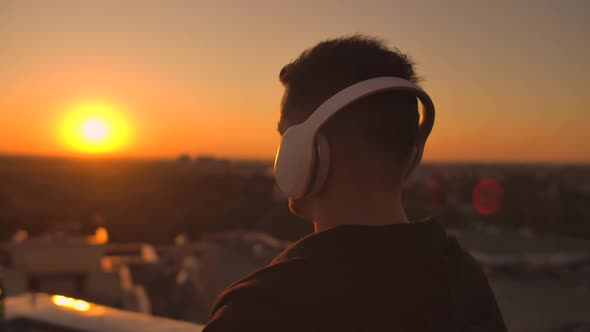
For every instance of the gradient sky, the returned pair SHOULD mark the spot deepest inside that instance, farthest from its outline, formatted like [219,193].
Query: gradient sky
[509,78]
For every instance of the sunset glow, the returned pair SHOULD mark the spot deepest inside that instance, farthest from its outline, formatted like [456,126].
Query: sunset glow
[95,128]
[202,78]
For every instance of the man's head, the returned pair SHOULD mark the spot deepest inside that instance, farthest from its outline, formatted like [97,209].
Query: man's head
[372,140]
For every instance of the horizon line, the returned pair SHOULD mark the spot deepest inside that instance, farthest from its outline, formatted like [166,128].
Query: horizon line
[270,160]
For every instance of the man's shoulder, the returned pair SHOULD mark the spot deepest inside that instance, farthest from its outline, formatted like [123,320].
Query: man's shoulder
[269,282]
[290,272]
[269,300]
[277,271]
[296,252]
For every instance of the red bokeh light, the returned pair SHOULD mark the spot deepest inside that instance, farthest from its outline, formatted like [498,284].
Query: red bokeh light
[487,196]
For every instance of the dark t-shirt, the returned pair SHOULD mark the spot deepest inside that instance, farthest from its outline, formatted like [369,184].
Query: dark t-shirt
[403,277]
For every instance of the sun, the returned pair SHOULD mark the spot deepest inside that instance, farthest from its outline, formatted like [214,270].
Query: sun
[95,128]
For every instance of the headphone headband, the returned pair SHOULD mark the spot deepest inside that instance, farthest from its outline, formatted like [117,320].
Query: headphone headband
[366,88]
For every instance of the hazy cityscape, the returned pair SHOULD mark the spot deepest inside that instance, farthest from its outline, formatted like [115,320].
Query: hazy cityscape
[165,237]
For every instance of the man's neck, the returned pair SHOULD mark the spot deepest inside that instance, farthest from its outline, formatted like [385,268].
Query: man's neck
[369,211]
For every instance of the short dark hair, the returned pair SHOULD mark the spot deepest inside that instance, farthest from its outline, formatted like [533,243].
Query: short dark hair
[387,122]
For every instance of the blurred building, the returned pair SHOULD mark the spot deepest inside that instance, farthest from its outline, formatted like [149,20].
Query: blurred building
[70,266]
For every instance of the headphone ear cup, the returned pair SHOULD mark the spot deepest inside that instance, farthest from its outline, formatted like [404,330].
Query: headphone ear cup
[414,161]
[321,165]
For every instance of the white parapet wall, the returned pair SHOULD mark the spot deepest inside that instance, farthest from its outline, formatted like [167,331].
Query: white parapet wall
[77,314]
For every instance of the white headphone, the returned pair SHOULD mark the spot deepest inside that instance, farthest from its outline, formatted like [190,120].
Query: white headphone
[302,159]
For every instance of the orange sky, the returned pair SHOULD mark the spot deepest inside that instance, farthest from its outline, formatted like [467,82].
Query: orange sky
[507,77]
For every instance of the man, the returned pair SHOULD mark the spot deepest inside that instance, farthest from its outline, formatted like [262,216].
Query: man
[366,267]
